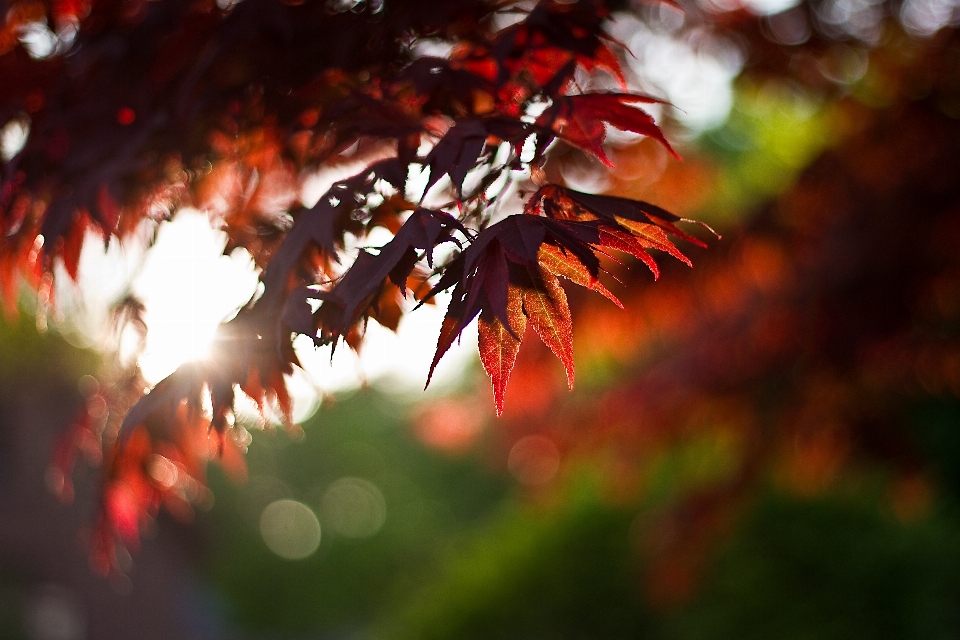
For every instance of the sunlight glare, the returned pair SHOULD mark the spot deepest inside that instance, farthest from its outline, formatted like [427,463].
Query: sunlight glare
[189,287]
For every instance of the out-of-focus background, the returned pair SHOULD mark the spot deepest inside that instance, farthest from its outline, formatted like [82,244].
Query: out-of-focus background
[766,446]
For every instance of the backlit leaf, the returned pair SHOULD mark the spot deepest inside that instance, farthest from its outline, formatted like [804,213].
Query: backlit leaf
[500,345]
[549,314]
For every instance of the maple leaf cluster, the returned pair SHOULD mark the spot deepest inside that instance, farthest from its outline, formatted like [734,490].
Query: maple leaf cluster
[797,355]
[162,105]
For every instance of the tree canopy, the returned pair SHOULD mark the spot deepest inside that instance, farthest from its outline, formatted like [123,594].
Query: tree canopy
[433,120]
[134,111]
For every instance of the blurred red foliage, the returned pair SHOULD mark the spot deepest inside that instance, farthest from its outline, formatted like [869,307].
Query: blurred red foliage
[794,351]
[790,353]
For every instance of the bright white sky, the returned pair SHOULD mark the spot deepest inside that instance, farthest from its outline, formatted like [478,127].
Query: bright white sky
[188,287]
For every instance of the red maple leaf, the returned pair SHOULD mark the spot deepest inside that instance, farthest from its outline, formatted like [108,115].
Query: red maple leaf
[508,275]
[581,120]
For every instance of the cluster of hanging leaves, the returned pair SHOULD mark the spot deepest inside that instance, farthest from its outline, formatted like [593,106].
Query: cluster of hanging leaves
[806,355]
[140,108]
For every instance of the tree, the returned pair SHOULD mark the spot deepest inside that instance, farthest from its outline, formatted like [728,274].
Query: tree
[137,109]
[243,99]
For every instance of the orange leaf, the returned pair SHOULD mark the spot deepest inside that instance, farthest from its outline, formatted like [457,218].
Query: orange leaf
[653,236]
[499,346]
[561,263]
[549,316]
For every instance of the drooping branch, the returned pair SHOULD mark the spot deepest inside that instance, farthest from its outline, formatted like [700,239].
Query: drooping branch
[184,103]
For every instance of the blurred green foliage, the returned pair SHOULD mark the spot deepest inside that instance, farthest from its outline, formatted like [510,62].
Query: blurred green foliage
[837,566]
[33,364]
[772,133]
[27,354]
[430,499]
[483,559]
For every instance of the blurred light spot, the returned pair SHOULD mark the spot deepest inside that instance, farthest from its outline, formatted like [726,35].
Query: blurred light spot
[353,508]
[125,563]
[449,426]
[768,7]
[56,482]
[38,40]
[13,136]
[290,529]
[54,612]
[695,74]
[534,460]
[584,173]
[126,116]
[431,48]
[88,386]
[640,164]
[260,491]
[861,19]
[67,32]
[670,18]
[339,6]
[923,18]
[305,395]
[507,18]
[789,27]
[844,64]
[720,6]
[163,470]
